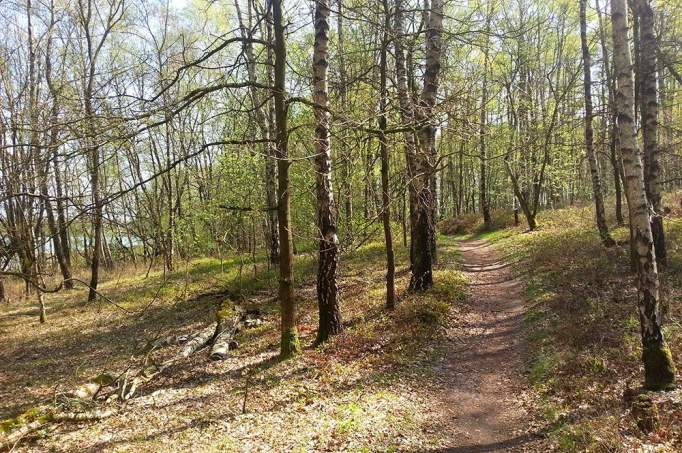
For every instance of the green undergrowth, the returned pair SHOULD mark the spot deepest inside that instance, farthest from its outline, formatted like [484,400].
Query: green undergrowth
[583,329]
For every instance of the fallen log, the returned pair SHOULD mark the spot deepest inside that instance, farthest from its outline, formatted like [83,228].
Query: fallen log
[229,321]
[198,341]
[14,429]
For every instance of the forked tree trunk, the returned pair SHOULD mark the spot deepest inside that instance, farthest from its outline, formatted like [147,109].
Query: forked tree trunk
[289,344]
[327,301]
[659,368]
[589,133]
[648,104]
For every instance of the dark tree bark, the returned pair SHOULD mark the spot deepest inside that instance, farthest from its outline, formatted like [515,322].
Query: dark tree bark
[385,165]
[422,273]
[289,345]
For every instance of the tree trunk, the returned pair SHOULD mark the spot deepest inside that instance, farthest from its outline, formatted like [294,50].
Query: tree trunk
[602,228]
[327,289]
[613,135]
[648,104]
[407,117]
[289,344]
[422,274]
[483,195]
[265,120]
[659,368]
[346,165]
[58,243]
[385,166]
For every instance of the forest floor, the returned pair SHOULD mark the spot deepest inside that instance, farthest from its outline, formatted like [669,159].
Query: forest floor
[529,341]
[412,380]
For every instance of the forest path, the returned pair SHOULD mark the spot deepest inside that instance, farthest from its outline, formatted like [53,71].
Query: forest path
[484,367]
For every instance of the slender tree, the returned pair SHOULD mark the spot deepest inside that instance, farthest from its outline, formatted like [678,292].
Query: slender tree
[327,290]
[385,162]
[407,116]
[289,344]
[597,193]
[482,133]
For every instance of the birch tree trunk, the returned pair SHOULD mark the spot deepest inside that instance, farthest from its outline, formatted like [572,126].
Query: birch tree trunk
[659,368]
[289,345]
[330,315]
[648,105]
[589,133]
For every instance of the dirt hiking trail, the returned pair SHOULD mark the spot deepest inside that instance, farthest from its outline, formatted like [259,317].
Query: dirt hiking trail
[484,368]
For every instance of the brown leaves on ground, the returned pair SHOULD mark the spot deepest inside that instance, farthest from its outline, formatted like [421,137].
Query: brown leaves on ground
[371,388]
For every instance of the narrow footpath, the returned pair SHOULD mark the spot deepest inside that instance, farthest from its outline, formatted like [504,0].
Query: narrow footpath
[484,367]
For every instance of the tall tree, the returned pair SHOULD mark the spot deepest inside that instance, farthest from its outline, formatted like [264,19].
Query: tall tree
[88,11]
[407,116]
[289,344]
[385,162]
[659,368]
[422,272]
[648,105]
[265,121]
[483,116]
[614,157]
[597,193]
[327,300]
